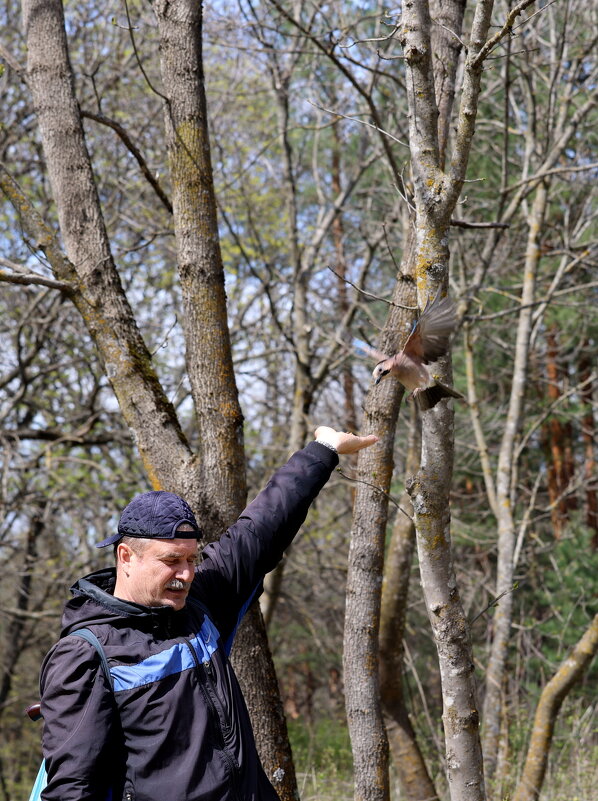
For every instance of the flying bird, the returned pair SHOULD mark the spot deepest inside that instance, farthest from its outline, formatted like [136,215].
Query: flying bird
[428,341]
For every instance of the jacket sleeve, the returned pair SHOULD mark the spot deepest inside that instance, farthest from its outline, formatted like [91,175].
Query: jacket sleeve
[232,570]
[78,710]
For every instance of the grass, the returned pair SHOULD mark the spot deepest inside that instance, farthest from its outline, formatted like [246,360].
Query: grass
[322,754]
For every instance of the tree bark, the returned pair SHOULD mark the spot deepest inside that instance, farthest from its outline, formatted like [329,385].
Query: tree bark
[414,779]
[253,662]
[549,705]
[221,461]
[446,43]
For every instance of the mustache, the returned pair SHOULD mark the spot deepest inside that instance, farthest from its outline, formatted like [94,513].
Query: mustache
[177,584]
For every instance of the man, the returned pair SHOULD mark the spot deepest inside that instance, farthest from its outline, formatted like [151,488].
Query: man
[170,724]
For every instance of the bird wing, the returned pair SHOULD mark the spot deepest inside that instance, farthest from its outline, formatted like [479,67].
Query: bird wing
[363,349]
[430,336]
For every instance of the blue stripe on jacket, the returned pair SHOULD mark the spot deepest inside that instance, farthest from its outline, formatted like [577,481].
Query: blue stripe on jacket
[173,660]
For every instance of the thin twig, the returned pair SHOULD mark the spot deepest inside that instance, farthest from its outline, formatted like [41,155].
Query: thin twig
[554,171]
[12,62]
[356,119]
[32,278]
[494,602]
[506,28]
[466,224]
[388,248]
[374,39]
[535,303]
[369,294]
[138,58]
[378,489]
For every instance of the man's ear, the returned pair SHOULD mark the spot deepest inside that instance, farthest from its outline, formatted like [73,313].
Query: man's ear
[124,554]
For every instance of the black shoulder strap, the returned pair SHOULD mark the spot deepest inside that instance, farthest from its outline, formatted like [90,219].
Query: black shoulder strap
[91,638]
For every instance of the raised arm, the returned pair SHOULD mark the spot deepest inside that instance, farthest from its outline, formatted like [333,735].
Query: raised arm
[233,567]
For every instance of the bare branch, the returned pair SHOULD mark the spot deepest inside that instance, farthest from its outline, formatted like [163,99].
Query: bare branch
[369,294]
[12,62]
[506,29]
[134,151]
[378,489]
[27,278]
[548,708]
[554,171]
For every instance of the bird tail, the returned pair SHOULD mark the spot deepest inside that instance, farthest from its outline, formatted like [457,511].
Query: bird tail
[428,398]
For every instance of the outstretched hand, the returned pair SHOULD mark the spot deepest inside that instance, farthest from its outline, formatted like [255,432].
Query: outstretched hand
[344,442]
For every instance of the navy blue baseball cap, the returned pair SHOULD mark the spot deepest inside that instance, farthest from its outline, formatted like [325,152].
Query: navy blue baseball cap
[155,515]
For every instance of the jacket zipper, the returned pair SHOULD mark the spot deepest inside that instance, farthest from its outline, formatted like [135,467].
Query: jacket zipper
[209,692]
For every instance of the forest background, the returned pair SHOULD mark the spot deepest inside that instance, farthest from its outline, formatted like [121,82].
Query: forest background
[202,213]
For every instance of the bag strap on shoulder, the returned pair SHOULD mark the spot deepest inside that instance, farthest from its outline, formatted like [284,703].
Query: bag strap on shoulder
[87,634]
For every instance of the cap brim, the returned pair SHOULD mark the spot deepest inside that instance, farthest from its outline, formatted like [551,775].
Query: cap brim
[110,540]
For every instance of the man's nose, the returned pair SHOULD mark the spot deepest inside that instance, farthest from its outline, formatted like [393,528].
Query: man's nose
[185,572]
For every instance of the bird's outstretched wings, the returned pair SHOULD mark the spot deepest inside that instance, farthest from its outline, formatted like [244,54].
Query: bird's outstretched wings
[431,334]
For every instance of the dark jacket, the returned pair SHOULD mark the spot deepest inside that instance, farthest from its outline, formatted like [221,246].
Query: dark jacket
[175,726]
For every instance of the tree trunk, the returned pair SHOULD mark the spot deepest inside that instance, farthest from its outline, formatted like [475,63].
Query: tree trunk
[338,235]
[589,439]
[445,37]
[436,194]
[221,461]
[429,491]
[253,663]
[366,554]
[414,780]
[504,499]
[551,699]
[209,358]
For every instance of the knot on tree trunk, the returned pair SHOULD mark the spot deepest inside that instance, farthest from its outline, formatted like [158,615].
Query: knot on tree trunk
[413,54]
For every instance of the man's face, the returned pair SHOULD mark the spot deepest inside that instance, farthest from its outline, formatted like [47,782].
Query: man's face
[159,573]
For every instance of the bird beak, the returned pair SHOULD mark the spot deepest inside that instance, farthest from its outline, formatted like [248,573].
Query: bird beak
[377,381]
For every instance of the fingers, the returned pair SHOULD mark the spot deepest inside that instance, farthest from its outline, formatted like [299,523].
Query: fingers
[352,443]
[343,441]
